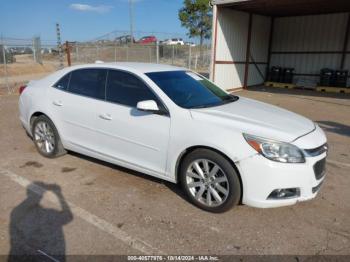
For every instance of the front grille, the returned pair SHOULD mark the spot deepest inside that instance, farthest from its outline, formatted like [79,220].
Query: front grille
[320,168]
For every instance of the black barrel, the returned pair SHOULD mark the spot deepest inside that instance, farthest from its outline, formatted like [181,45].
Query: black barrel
[287,75]
[327,77]
[341,77]
[275,74]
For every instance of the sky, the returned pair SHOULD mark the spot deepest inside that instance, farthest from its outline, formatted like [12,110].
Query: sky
[83,20]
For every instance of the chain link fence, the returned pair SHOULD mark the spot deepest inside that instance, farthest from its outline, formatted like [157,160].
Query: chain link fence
[25,59]
[192,57]
[22,60]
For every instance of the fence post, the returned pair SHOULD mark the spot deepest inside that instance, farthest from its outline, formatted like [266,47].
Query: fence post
[157,51]
[37,50]
[97,53]
[68,54]
[127,53]
[77,53]
[196,62]
[150,54]
[5,65]
[208,54]
[115,53]
[189,56]
[34,49]
[83,54]
[173,55]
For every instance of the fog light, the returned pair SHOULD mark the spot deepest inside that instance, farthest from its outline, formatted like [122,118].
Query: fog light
[284,193]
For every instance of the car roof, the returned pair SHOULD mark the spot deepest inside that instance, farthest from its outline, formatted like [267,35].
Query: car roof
[131,66]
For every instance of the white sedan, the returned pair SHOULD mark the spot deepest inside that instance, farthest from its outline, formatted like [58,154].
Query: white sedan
[176,125]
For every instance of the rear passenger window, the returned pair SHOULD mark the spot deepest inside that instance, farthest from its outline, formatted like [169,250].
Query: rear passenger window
[63,82]
[126,89]
[88,82]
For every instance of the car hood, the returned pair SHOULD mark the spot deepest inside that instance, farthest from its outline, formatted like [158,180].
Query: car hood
[256,118]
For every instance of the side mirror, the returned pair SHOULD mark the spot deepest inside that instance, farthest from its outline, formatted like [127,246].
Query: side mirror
[148,106]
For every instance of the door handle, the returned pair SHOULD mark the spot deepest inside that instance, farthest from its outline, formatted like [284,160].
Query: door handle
[57,103]
[105,116]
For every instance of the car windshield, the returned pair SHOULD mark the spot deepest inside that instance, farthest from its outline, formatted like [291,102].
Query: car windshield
[190,90]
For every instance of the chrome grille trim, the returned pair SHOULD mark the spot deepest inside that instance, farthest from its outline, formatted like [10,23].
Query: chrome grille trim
[316,151]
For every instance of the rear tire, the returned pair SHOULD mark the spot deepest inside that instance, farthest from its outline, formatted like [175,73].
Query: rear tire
[46,138]
[210,181]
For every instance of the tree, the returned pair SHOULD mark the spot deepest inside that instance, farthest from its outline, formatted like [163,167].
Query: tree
[196,16]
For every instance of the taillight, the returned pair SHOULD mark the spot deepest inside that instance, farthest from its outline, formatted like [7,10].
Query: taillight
[21,89]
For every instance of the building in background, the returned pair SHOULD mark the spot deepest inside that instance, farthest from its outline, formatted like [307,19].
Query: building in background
[250,36]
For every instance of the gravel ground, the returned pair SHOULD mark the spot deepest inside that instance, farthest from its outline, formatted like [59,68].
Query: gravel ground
[105,209]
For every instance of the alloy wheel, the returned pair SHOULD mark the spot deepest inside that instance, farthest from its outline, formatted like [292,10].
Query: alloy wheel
[44,137]
[207,182]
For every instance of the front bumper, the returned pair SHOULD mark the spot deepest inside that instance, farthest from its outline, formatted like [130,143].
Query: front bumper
[261,176]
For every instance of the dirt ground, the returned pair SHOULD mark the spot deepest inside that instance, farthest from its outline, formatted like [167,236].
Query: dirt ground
[110,210]
[16,74]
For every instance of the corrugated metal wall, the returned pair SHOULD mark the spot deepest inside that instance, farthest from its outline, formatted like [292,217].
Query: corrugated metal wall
[259,48]
[315,33]
[229,76]
[231,46]
[307,63]
[254,77]
[232,35]
[310,33]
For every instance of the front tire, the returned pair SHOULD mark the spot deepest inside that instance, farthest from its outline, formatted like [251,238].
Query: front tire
[210,181]
[46,138]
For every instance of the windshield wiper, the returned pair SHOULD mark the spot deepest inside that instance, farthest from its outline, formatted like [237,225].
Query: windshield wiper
[231,98]
[228,99]
[204,106]
[225,100]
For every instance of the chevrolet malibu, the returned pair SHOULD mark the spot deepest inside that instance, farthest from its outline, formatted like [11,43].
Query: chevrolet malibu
[176,125]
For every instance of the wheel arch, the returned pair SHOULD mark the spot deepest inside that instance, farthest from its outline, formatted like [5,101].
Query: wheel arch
[35,115]
[188,150]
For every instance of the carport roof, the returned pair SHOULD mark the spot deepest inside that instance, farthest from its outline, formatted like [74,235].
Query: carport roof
[287,7]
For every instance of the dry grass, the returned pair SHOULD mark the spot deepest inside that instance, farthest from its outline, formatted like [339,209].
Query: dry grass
[25,65]
[25,69]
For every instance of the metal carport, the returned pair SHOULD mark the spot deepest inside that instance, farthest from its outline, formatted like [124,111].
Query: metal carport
[251,35]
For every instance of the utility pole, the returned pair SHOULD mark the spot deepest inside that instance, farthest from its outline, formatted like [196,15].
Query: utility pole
[131,17]
[59,45]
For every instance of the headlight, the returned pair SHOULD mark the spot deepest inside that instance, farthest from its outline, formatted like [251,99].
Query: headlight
[276,151]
